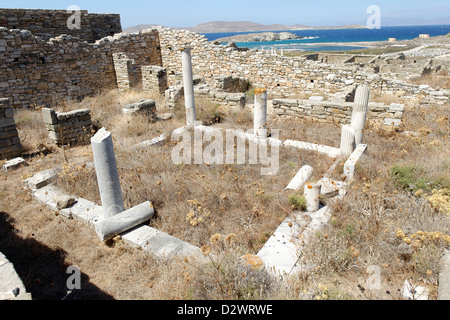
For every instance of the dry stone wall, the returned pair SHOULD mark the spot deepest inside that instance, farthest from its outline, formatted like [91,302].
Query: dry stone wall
[9,139]
[154,79]
[287,77]
[52,23]
[38,72]
[68,128]
[336,111]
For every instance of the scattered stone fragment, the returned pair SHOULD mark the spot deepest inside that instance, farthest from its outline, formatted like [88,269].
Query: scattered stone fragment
[63,202]
[14,164]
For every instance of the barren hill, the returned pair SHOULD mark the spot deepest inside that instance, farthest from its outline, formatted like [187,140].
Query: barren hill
[242,26]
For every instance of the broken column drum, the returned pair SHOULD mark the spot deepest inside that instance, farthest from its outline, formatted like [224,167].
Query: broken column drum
[260,113]
[359,115]
[348,141]
[188,87]
[107,174]
[312,197]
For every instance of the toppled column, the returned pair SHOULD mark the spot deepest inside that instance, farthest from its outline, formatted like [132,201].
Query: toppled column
[107,174]
[260,113]
[188,87]
[312,197]
[360,109]
[124,221]
[301,178]
[348,142]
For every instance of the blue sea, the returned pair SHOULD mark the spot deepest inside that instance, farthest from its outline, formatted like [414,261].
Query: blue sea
[338,36]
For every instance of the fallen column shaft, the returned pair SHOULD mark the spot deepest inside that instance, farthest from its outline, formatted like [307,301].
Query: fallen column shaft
[301,178]
[124,221]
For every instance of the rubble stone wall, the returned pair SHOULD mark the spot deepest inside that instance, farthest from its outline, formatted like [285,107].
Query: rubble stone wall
[52,23]
[38,72]
[68,128]
[9,139]
[289,77]
[336,111]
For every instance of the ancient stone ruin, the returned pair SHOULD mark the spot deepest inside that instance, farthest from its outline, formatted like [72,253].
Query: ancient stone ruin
[9,140]
[52,23]
[68,128]
[42,65]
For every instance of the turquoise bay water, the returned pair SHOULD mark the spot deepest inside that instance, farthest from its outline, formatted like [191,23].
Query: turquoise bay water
[340,36]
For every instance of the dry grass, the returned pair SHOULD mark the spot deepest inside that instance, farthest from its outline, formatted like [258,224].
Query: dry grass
[435,80]
[364,225]
[364,229]
[195,202]
[32,132]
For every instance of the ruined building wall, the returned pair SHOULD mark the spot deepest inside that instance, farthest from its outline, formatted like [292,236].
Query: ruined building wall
[66,128]
[38,72]
[9,139]
[337,111]
[283,76]
[52,23]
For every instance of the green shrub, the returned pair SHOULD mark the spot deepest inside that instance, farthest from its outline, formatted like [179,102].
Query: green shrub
[409,178]
[297,202]
[412,178]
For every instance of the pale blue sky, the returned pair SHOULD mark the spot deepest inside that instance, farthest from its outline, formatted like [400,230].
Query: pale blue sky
[185,13]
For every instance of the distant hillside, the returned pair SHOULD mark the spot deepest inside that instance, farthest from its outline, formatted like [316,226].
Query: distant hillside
[139,28]
[242,26]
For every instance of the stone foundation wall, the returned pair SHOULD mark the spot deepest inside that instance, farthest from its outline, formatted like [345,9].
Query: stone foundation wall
[9,139]
[337,112]
[68,128]
[52,23]
[38,72]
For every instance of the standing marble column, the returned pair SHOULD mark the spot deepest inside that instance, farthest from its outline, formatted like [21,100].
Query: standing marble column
[188,87]
[312,197]
[107,174]
[360,109]
[348,144]
[260,113]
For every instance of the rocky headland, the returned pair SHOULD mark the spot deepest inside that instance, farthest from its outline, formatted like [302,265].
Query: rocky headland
[261,37]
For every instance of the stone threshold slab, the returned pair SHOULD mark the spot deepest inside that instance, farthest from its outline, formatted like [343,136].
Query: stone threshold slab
[281,253]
